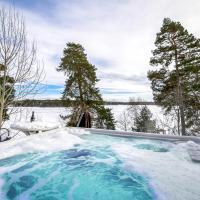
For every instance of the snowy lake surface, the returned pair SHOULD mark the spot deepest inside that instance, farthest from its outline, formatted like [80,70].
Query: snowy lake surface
[52,114]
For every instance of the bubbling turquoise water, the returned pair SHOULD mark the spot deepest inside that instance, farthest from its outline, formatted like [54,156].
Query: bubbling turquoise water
[81,166]
[89,171]
[72,174]
[152,147]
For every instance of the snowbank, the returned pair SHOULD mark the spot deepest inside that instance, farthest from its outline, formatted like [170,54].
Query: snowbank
[49,141]
[34,126]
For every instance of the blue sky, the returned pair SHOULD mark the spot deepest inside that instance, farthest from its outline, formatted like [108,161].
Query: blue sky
[118,36]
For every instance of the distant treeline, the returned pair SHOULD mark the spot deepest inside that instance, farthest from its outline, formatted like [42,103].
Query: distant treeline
[60,103]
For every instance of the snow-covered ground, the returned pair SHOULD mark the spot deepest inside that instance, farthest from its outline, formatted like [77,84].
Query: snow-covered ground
[55,140]
[47,114]
[52,114]
[43,116]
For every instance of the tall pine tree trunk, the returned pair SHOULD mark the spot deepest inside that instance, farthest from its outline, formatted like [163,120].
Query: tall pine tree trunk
[182,114]
[178,121]
[179,93]
[80,86]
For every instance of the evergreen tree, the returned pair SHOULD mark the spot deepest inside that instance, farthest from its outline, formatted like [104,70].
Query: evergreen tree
[80,90]
[143,121]
[104,118]
[6,83]
[176,82]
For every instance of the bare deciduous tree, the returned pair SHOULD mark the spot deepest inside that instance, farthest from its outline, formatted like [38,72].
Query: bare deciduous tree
[124,121]
[127,117]
[20,72]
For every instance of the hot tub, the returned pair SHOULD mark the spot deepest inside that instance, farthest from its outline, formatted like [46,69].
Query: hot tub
[82,165]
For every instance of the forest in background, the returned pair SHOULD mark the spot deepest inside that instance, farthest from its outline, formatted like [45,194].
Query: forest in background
[61,103]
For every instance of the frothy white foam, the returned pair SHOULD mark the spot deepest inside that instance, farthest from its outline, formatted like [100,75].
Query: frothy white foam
[171,173]
[108,161]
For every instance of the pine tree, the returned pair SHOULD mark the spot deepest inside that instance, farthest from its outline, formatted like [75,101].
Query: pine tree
[80,90]
[143,121]
[104,118]
[176,83]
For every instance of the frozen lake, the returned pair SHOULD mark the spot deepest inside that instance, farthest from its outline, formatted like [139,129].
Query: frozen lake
[52,114]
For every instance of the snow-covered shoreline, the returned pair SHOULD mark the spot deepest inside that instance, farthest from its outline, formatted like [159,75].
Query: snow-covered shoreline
[52,114]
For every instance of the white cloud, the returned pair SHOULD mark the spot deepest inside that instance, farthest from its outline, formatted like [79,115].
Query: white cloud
[121,32]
